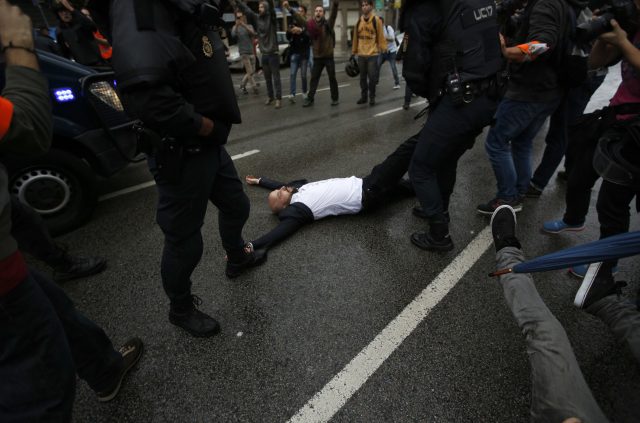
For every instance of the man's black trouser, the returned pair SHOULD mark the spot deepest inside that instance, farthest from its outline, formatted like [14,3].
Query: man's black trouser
[449,132]
[206,176]
[369,70]
[320,63]
[581,178]
[385,176]
[44,341]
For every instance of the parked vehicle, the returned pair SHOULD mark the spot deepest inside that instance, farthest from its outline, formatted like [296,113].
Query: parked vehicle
[92,137]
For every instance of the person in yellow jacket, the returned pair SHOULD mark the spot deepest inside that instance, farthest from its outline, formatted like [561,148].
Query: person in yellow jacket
[368,44]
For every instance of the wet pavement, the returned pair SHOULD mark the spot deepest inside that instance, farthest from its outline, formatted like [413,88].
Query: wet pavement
[324,295]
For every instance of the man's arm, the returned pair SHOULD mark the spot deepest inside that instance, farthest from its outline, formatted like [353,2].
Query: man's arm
[333,14]
[250,14]
[297,18]
[164,110]
[611,45]
[292,218]
[25,123]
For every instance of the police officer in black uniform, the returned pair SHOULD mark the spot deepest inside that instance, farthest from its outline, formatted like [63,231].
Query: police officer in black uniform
[462,61]
[173,75]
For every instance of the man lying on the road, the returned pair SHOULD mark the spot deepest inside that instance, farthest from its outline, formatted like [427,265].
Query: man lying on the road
[299,202]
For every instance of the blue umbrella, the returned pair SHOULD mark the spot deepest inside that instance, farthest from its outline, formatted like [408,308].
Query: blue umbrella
[612,248]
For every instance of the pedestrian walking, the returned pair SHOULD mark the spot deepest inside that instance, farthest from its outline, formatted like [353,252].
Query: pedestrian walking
[368,43]
[245,33]
[299,45]
[390,54]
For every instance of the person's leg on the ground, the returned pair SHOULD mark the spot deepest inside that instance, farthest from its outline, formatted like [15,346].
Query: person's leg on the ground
[274,62]
[385,176]
[36,366]
[556,145]
[96,361]
[372,64]
[295,65]
[246,63]
[407,96]
[364,84]
[448,171]
[333,81]
[623,318]
[267,72]
[559,390]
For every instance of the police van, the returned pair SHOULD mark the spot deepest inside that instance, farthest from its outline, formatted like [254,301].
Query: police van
[92,138]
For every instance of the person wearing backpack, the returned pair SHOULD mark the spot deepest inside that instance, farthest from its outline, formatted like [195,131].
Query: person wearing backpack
[455,63]
[534,91]
[368,44]
[390,54]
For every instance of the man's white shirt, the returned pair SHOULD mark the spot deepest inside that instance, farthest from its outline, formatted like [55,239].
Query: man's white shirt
[331,197]
[390,36]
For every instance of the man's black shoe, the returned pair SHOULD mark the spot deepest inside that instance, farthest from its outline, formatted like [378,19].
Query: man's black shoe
[194,321]
[597,284]
[72,267]
[372,101]
[426,242]
[252,259]
[362,100]
[131,352]
[533,192]
[503,227]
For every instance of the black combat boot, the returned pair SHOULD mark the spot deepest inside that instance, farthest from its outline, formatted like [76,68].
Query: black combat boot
[67,267]
[240,260]
[437,239]
[187,316]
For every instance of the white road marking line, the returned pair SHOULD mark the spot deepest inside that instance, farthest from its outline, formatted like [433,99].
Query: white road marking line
[335,394]
[152,183]
[328,88]
[388,112]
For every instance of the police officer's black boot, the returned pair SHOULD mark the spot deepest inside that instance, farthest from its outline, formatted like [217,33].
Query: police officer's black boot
[436,239]
[185,314]
[240,260]
[67,267]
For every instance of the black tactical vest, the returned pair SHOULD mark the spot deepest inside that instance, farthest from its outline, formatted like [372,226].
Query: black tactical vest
[170,47]
[469,43]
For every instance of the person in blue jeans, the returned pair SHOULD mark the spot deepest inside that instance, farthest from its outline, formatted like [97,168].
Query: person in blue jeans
[299,45]
[533,94]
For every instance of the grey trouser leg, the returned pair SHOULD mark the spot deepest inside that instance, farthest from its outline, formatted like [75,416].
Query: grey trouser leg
[558,388]
[623,319]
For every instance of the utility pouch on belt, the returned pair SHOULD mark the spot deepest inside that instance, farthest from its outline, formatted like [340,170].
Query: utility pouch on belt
[169,159]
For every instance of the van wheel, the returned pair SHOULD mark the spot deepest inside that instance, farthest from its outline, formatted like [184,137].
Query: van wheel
[59,186]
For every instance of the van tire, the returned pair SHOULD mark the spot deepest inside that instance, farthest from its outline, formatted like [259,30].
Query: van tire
[59,185]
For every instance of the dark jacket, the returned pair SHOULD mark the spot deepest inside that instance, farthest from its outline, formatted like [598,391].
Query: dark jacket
[265,25]
[537,81]
[25,128]
[299,43]
[323,38]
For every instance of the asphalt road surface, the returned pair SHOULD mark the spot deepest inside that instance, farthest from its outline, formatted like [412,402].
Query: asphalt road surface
[347,321]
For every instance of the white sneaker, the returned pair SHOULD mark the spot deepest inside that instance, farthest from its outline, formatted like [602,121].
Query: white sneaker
[396,87]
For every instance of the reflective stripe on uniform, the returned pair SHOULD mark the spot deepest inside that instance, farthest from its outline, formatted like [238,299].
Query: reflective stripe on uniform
[6,113]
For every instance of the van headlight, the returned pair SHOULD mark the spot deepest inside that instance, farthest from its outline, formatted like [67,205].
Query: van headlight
[107,94]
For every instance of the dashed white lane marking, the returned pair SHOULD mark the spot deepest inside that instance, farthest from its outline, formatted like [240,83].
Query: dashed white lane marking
[152,183]
[388,112]
[328,88]
[326,403]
